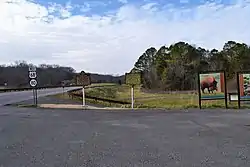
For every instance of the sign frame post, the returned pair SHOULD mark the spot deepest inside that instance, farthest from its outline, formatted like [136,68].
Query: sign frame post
[63,90]
[36,95]
[63,85]
[132,96]
[199,90]
[83,97]
[238,88]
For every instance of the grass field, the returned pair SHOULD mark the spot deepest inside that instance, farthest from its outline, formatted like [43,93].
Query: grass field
[153,100]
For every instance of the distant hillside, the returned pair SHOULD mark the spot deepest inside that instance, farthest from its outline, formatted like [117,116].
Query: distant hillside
[16,76]
[100,78]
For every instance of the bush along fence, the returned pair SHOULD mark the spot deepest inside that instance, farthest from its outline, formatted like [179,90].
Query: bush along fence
[212,86]
[72,94]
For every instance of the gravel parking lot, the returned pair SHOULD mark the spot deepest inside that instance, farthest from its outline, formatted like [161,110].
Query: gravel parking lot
[38,138]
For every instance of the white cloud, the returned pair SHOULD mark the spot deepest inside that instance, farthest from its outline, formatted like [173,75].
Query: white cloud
[112,43]
[149,6]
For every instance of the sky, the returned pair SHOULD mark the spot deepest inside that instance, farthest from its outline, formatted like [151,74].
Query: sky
[108,36]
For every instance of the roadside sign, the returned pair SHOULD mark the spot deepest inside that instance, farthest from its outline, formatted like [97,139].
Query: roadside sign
[83,79]
[32,74]
[86,80]
[32,68]
[33,82]
[133,78]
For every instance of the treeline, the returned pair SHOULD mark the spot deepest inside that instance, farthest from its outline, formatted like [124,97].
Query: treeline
[16,75]
[175,67]
[99,78]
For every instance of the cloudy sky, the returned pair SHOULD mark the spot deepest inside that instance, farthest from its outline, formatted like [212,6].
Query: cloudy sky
[108,36]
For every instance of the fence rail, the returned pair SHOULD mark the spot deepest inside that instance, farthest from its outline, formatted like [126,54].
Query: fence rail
[48,87]
[72,94]
[30,88]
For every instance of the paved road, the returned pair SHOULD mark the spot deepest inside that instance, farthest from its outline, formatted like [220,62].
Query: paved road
[59,138]
[13,97]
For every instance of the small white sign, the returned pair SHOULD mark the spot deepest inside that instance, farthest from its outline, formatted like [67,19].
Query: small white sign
[32,68]
[32,74]
[234,97]
[33,82]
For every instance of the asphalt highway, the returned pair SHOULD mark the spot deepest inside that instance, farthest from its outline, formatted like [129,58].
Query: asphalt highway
[36,138]
[13,97]
[31,137]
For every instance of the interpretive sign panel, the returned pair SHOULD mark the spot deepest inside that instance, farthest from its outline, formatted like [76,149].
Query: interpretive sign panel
[212,86]
[243,81]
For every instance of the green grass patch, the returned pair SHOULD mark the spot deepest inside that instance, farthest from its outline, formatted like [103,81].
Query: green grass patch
[89,101]
[151,100]
[105,104]
[61,95]
[104,92]
[156,100]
